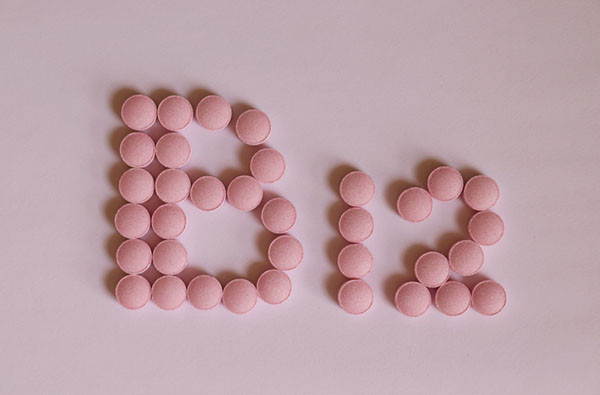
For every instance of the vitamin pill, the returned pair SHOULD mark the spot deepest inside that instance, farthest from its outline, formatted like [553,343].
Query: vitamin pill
[136,185]
[207,193]
[213,113]
[137,149]
[465,257]
[453,298]
[169,292]
[169,221]
[278,215]
[173,150]
[239,296]
[488,297]
[412,299]
[355,296]
[285,252]
[175,113]
[244,193]
[133,291]
[138,112]
[356,225]
[170,257]
[481,193]
[274,286]
[132,221]
[414,204]
[486,228]
[253,127]
[134,256]
[172,185]
[204,292]
[445,183]
[357,188]
[355,261]
[432,269]
[267,165]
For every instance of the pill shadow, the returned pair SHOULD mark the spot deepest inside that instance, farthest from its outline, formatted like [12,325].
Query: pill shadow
[197,94]
[111,278]
[468,173]
[237,109]
[407,262]
[160,93]
[463,216]
[119,97]
[116,136]
[424,168]
[447,240]
[393,190]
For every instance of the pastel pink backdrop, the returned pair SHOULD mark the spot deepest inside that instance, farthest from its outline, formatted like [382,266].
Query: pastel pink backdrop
[510,89]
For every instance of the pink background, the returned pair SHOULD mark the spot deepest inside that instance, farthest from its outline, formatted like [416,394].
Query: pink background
[510,89]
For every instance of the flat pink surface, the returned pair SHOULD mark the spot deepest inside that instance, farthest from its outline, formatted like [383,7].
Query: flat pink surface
[510,89]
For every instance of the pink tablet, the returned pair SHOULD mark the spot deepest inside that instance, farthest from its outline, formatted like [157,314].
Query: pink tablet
[169,221]
[267,165]
[170,257]
[453,298]
[134,256]
[138,112]
[278,215]
[414,204]
[432,269]
[172,185]
[173,150]
[274,286]
[253,127]
[136,185]
[488,298]
[169,292]
[133,292]
[357,188]
[213,113]
[412,299]
[486,228]
[137,149]
[204,292]
[175,113]
[355,296]
[285,252]
[239,296]
[445,183]
[132,221]
[355,261]
[244,193]
[207,193]
[356,225]
[481,193]
[466,257]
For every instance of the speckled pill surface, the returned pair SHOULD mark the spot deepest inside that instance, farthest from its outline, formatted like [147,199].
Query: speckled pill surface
[486,228]
[355,261]
[213,113]
[412,299]
[445,183]
[175,113]
[204,292]
[356,225]
[133,291]
[134,256]
[244,193]
[432,269]
[488,297]
[357,188]
[253,127]
[207,193]
[285,252]
[132,221]
[274,286]
[267,165]
[355,296]
[172,185]
[137,149]
[414,204]
[136,185]
[481,193]
[278,215]
[465,257]
[138,112]
[170,257]
[173,150]
[453,298]
[169,221]
[169,292]
[240,296]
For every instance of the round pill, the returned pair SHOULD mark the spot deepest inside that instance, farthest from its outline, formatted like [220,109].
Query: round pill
[355,261]
[278,215]
[213,113]
[138,112]
[432,269]
[285,252]
[132,221]
[134,256]
[244,193]
[355,296]
[173,150]
[133,291]
[239,296]
[267,165]
[137,149]
[175,113]
[169,221]
[274,286]
[488,297]
[357,188]
[207,193]
[172,185]
[136,185]
[204,292]
[414,204]
[356,225]
[170,257]
[412,299]
[453,298]
[169,292]
[253,127]
[481,193]
[486,228]
[465,257]
[445,183]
